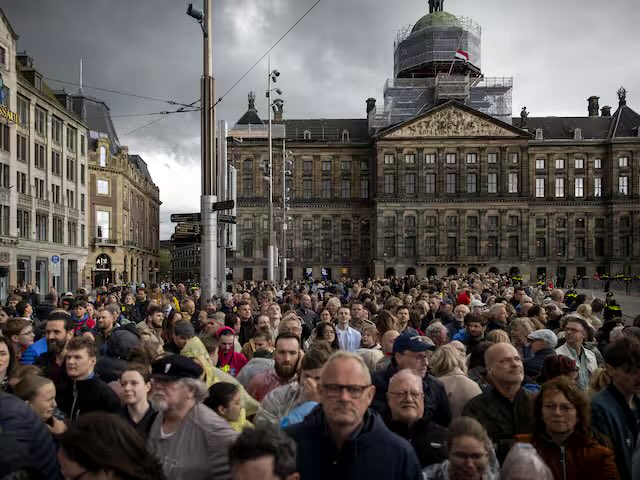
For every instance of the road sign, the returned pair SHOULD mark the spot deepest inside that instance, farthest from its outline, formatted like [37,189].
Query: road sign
[227,219]
[188,228]
[55,265]
[225,205]
[181,239]
[185,217]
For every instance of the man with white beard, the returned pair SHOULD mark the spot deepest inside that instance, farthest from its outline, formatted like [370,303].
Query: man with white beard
[189,439]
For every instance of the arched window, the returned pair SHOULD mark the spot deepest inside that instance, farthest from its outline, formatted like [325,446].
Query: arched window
[345,135]
[103,156]
[307,134]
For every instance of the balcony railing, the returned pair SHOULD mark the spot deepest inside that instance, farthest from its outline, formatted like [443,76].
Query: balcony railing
[25,200]
[42,204]
[58,209]
[73,213]
[104,241]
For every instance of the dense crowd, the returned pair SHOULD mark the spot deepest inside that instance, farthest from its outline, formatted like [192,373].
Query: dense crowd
[472,377]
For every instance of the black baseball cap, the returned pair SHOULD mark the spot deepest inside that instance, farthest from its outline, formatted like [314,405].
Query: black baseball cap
[175,367]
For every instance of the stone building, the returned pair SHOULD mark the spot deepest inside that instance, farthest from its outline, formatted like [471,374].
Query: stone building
[443,185]
[43,192]
[185,263]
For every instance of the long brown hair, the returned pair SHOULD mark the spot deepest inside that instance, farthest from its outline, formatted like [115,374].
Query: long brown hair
[577,398]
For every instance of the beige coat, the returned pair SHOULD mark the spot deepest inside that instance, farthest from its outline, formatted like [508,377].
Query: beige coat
[460,389]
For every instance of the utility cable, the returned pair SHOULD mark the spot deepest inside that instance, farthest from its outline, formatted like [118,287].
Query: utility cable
[266,53]
[165,115]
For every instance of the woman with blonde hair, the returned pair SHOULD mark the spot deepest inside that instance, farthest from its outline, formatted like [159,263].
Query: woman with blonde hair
[498,336]
[449,367]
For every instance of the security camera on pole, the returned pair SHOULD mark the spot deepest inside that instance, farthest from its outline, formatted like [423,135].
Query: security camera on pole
[276,105]
[208,262]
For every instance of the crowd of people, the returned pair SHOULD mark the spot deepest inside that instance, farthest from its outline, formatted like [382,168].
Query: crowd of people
[473,377]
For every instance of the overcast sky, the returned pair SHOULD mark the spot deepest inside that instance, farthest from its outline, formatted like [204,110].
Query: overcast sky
[559,53]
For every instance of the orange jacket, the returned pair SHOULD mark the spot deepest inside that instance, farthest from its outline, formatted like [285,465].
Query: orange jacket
[580,458]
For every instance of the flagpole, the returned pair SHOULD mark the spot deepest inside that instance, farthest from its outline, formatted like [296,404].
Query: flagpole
[454,55]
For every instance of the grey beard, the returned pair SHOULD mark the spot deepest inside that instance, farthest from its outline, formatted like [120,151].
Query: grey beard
[159,404]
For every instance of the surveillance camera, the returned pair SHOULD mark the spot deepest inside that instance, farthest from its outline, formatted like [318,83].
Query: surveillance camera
[195,12]
[278,91]
[278,101]
[276,73]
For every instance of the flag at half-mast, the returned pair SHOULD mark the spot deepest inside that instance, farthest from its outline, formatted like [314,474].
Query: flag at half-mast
[462,55]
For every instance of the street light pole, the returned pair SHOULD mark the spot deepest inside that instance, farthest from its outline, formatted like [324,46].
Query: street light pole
[209,232]
[283,253]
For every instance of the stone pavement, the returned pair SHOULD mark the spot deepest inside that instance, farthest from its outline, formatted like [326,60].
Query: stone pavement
[630,304]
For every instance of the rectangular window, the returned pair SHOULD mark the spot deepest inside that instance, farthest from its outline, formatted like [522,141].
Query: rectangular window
[623,185]
[345,166]
[452,247]
[540,187]
[559,187]
[625,247]
[71,139]
[4,220]
[579,188]
[326,225]
[472,246]
[623,162]
[410,158]
[247,185]
[472,158]
[364,166]
[364,188]
[492,158]
[514,157]
[452,221]
[5,138]
[55,193]
[326,247]
[307,167]
[389,183]
[541,247]
[102,187]
[451,158]
[72,233]
[390,246]
[559,163]
[82,202]
[82,235]
[597,187]
[561,247]
[513,220]
[410,246]
[345,191]
[471,183]
[326,166]
[472,222]
[41,122]
[345,248]
[21,182]
[389,159]
[23,222]
[307,225]
[492,246]
[493,221]
[597,163]
[103,223]
[42,222]
[41,193]
[430,222]
[514,246]
[430,185]
[390,222]
[513,183]
[579,163]
[56,130]
[40,157]
[83,147]
[22,148]
[409,183]
[71,169]
[451,183]
[23,111]
[430,158]
[71,198]
[599,246]
[539,163]
[580,247]
[307,188]
[82,174]
[410,222]
[326,188]
[56,163]
[492,183]
[430,246]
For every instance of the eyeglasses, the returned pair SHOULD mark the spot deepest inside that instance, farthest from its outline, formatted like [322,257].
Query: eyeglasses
[573,330]
[335,389]
[468,456]
[564,407]
[407,393]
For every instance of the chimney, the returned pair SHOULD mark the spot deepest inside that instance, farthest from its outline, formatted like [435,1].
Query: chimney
[371,105]
[594,108]
[605,111]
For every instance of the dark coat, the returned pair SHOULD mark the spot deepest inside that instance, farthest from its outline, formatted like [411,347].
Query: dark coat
[436,402]
[428,439]
[502,418]
[373,453]
[26,438]
[612,418]
[84,396]
[533,365]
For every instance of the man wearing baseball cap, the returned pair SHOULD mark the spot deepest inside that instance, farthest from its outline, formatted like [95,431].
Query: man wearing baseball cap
[543,344]
[411,351]
[189,439]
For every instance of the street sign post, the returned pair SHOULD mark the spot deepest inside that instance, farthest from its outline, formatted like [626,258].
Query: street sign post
[55,265]
[224,205]
[185,239]
[227,219]
[186,217]
[188,228]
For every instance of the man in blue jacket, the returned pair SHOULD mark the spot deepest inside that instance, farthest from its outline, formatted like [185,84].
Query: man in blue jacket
[342,439]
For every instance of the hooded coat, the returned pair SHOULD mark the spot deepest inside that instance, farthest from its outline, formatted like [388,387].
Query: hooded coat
[372,453]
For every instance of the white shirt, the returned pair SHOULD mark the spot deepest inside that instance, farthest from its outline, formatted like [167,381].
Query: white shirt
[348,339]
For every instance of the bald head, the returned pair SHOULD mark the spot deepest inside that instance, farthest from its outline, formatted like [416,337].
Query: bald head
[496,352]
[504,365]
[387,340]
[342,362]
[405,378]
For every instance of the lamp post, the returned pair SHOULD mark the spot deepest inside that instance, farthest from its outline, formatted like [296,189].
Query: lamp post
[271,248]
[285,171]
[209,227]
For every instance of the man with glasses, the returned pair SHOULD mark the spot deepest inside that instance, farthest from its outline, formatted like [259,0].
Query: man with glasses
[576,332]
[406,404]
[410,351]
[341,438]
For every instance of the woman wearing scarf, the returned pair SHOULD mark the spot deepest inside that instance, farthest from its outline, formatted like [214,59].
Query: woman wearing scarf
[229,360]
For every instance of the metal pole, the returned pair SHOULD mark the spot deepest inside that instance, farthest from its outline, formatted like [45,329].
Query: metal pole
[223,194]
[271,247]
[209,232]
[283,253]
